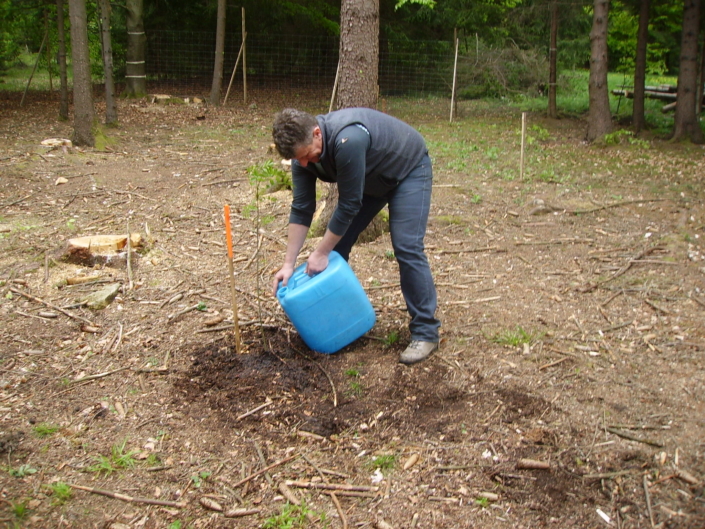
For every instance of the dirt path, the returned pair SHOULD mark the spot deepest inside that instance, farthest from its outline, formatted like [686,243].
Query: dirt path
[572,306]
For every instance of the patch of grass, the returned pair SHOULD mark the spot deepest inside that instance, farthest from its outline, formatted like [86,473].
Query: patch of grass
[19,509]
[384,462]
[45,429]
[119,459]
[514,337]
[61,492]
[482,502]
[293,517]
[389,255]
[449,220]
[391,338]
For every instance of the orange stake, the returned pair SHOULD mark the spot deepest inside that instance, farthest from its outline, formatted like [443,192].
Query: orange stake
[229,238]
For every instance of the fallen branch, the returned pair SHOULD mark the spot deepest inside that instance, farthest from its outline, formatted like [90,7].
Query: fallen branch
[251,412]
[613,205]
[131,499]
[532,464]
[262,471]
[99,375]
[331,486]
[237,513]
[631,437]
[51,306]
[645,483]
[554,363]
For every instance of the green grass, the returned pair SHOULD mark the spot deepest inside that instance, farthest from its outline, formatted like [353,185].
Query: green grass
[384,462]
[293,517]
[45,429]
[118,459]
[514,337]
[61,492]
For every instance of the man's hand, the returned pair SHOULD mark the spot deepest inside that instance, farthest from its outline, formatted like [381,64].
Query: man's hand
[282,276]
[317,262]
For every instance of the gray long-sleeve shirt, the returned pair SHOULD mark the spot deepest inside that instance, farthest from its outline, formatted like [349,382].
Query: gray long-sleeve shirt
[364,152]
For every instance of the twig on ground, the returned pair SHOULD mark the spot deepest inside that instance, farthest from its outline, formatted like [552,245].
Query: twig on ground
[331,486]
[237,513]
[532,464]
[255,410]
[266,469]
[330,380]
[51,306]
[645,483]
[613,205]
[631,437]
[554,363]
[131,499]
[99,375]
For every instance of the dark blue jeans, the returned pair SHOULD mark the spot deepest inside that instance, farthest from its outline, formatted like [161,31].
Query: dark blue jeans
[409,204]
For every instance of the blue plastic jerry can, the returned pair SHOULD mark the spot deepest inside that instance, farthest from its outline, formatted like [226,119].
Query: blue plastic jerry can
[329,310]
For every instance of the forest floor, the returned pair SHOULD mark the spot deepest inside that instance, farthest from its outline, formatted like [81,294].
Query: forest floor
[568,390]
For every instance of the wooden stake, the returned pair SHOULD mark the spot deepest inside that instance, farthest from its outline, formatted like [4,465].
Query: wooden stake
[244,60]
[455,73]
[229,239]
[237,61]
[523,135]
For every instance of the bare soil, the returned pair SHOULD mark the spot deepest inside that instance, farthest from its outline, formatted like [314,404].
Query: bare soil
[598,264]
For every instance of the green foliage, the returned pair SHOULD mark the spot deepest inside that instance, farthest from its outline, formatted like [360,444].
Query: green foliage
[22,471]
[19,509]
[616,137]
[391,338]
[384,462]
[119,459]
[514,337]
[293,517]
[176,524]
[61,492]
[270,176]
[45,429]
[199,478]
[482,502]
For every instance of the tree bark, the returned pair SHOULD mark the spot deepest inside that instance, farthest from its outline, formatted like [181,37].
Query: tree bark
[110,111]
[359,54]
[219,54]
[638,116]
[64,84]
[552,63]
[135,73]
[357,87]
[84,113]
[599,116]
[686,124]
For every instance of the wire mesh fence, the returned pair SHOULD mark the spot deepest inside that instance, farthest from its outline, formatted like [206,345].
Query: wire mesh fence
[180,61]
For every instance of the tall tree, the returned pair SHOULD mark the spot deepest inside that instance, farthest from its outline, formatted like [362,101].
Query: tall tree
[638,117]
[358,66]
[84,113]
[110,110]
[599,116]
[219,53]
[64,84]
[135,72]
[686,123]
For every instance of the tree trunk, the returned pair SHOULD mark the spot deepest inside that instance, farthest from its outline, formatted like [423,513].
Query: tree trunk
[357,87]
[552,63]
[638,117]
[110,111]
[83,113]
[61,37]
[135,73]
[686,123]
[359,54]
[219,54]
[599,116]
